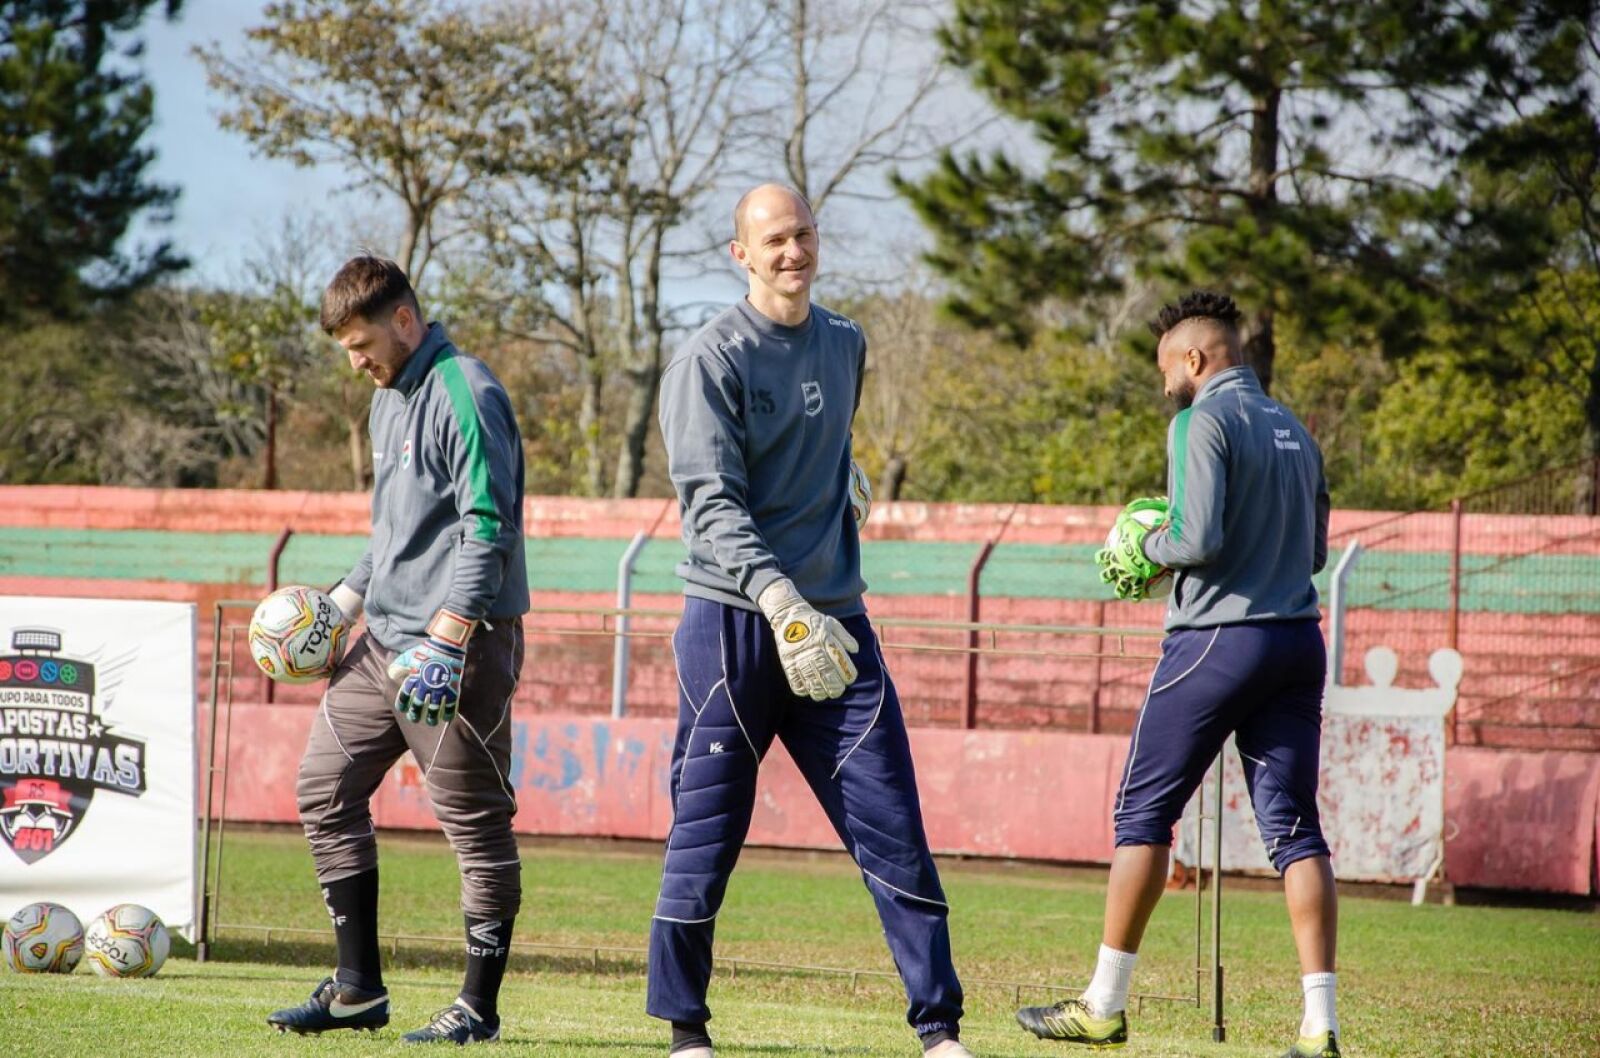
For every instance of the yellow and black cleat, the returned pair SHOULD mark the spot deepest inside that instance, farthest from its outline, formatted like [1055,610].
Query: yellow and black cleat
[1322,1045]
[1071,1021]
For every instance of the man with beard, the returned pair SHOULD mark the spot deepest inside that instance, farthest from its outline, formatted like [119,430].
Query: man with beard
[1246,527]
[444,585]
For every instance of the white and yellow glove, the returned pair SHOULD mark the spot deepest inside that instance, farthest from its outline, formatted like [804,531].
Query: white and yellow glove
[814,648]
[860,494]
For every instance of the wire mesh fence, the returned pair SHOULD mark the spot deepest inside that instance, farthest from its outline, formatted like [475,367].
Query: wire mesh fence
[1508,576]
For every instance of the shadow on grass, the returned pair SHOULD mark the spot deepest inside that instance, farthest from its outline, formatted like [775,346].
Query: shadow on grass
[418,954]
[655,1046]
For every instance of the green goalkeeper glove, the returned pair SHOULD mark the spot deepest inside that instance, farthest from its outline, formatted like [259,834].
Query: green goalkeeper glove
[1123,563]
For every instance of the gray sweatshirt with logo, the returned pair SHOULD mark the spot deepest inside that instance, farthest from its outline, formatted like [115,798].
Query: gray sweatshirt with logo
[446,498]
[757,418]
[1249,509]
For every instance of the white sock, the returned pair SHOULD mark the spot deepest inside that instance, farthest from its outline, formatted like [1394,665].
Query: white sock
[1319,1016]
[1108,992]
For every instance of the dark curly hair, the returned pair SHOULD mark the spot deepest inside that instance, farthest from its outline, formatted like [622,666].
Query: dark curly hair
[1196,305]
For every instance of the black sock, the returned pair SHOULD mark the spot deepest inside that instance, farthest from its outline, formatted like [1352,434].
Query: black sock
[686,1034]
[353,906]
[938,1036]
[488,951]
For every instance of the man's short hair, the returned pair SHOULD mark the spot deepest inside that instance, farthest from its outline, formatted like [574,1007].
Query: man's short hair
[1197,305]
[369,287]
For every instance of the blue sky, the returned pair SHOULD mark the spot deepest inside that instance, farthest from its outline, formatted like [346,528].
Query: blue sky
[233,201]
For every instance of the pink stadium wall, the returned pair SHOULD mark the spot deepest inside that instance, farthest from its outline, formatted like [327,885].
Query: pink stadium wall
[1518,819]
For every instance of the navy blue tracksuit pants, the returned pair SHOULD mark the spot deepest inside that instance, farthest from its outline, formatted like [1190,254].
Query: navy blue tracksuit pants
[1260,682]
[853,751]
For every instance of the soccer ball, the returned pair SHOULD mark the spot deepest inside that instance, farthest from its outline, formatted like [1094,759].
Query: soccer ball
[297,635]
[127,941]
[43,938]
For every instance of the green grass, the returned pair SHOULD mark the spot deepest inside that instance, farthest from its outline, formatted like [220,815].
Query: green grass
[1415,981]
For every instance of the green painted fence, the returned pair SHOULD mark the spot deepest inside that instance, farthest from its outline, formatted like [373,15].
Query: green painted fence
[1396,580]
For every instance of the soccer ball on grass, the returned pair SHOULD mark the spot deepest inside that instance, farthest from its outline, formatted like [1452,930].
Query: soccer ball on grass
[43,938]
[127,941]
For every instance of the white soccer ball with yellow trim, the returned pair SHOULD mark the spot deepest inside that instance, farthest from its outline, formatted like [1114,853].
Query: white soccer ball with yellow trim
[127,941]
[298,634]
[43,938]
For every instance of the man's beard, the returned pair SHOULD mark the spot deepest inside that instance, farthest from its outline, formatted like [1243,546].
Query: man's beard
[1184,396]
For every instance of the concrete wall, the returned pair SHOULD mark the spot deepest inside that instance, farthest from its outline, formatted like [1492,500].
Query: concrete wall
[1521,821]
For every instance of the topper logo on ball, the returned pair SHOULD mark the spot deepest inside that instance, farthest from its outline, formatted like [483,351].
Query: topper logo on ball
[55,749]
[315,642]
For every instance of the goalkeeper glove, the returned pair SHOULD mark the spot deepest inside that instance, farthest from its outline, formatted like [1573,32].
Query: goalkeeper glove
[1123,563]
[430,672]
[813,647]
[860,494]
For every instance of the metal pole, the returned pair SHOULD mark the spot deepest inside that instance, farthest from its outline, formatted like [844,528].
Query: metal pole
[969,713]
[1199,896]
[272,586]
[1336,606]
[1219,1030]
[619,654]
[203,947]
[1453,632]
[222,808]
[1099,666]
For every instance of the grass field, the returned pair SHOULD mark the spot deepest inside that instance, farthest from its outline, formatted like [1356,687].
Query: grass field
[1414,981]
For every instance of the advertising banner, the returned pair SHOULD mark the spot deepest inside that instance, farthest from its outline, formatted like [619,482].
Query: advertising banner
[97,756]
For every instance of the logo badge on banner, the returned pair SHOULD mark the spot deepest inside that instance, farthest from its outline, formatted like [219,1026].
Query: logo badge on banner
[56,750]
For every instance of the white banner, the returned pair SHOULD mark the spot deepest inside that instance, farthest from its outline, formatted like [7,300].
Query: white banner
[97,756]
[1381,788]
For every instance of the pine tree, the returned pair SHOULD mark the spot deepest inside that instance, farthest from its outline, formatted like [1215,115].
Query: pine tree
[72,171]
[1290,152]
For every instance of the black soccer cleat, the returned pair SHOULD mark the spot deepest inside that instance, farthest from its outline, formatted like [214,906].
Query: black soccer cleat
[334,1006]
[456,1024]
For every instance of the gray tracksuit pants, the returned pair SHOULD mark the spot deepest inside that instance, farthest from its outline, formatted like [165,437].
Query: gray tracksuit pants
[357,736]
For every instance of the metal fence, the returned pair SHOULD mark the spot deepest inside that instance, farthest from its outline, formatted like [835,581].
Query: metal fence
[1510,577]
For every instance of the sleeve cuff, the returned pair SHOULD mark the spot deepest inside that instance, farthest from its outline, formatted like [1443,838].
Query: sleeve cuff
[760,581]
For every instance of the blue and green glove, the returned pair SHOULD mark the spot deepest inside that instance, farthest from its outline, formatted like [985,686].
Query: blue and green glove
[430,672]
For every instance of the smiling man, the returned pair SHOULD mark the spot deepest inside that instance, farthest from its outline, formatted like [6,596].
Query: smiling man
[444,585]
[756,410]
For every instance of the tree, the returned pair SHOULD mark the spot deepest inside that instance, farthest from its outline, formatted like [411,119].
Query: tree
[404,94]
[1532,182]
[584,221]
[1066,422]
[266,337]
[133,396]
[854,105]
[1282,151]
[72,171]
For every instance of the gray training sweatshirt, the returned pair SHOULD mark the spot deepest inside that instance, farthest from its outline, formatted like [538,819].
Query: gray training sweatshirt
[446,498]
[1249,509]
[756,418]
